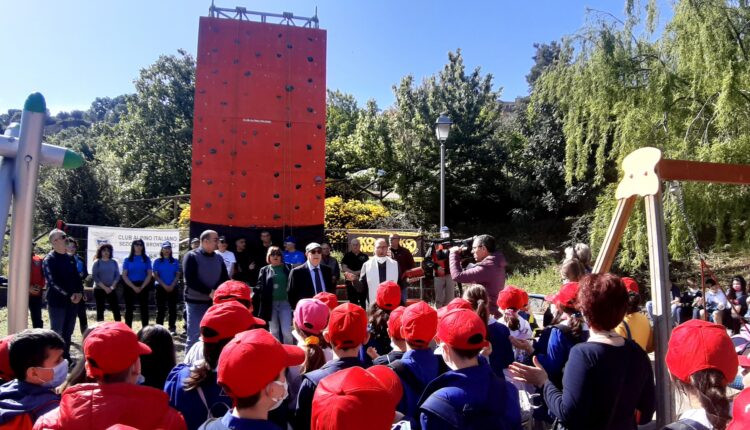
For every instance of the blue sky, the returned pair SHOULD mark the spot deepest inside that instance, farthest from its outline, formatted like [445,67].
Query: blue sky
[75,51]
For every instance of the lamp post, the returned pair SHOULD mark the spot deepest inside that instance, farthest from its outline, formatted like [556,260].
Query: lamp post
[442,130]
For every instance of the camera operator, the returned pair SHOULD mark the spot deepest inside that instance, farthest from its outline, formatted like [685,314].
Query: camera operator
[489,270]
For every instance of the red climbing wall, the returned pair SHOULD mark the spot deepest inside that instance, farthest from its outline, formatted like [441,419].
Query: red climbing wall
[259,126]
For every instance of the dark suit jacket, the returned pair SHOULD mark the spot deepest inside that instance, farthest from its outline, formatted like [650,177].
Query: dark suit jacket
[301,284]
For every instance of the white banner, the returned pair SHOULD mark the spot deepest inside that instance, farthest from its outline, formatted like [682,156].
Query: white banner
[121,238]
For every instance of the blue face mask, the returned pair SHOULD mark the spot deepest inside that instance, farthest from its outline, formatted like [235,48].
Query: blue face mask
[60,372]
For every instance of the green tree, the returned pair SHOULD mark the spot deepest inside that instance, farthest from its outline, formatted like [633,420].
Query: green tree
[475,181]
[619,89]
[148,152]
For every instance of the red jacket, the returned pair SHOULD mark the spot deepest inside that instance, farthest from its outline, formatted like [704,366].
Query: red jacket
[95,407]
[37,275]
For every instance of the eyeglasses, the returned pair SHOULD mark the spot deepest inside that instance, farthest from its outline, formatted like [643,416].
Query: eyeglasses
[316,251]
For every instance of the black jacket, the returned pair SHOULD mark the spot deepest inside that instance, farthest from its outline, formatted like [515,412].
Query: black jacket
[301,284]
[265,289]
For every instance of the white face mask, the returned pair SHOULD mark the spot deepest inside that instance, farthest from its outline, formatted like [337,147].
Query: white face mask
[280,400]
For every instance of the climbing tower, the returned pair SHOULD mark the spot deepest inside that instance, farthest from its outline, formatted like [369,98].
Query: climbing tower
[259,125]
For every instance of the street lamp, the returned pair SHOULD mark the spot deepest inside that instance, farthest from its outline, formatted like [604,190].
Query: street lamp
[442,130]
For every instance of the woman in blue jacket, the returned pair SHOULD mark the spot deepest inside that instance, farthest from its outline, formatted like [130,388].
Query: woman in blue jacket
[136,274]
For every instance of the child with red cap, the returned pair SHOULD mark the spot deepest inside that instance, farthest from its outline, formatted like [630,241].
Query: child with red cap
[498,334]
[702,361]
[346,333]
[397,340]
[419,364]
[193,390]
[229,291]
[6,372]
[387,298]
[252,371]
[510,300]
[470,395]
[36,356]
[356,398]
[112,357]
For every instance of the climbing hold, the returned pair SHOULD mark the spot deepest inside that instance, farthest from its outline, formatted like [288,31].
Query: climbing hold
[309,80]
[255,132]
[233,153]
[278,55]
[298,186]
[212,151]
[243,194]
[275,196]
[198,162]
[200,139]
[224,103]
[236,61]
[221,194]
[290,87]
[230,215]
[257,54]
[309,147]
[244,142]
[297,166]
[277,144]
[243,173]
[275,174]
[296,207]
[248,73]
[209,182]
[276,216]
[208,205]
[309,59]
[310,109]
[289,46]
[289,125]
[319,126]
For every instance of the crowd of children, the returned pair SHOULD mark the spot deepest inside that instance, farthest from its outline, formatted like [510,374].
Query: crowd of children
[394,367]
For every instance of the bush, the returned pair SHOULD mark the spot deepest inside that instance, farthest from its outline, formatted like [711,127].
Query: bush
[344,214]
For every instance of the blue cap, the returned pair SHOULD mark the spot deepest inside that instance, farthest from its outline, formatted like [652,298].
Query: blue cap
[290,239]
[166,244]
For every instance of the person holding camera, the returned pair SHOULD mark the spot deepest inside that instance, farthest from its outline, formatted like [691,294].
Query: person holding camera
[489,270]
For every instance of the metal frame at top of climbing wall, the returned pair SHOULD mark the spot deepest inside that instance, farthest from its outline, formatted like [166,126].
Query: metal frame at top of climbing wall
[243,14]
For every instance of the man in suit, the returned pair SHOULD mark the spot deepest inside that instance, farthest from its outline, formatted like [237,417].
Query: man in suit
[311,278]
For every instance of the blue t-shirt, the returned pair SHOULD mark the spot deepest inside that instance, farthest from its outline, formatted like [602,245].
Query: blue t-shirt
[167,271]
[137,268]
[296,257]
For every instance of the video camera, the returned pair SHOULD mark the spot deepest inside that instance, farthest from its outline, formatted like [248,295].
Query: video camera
[440,249]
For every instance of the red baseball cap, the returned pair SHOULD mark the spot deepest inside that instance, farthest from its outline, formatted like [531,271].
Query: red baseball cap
[511,298]
[388,295]
[457,303]
[630,285]
[394,323]
[347,326]
[233,290]
[329,299]
[741,412]
[112,347]
[6,373]
[698,345]
[463,329]
[225,320]
[568,295]
[311,315]
[252,360]
[419,323]
[356,398]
